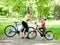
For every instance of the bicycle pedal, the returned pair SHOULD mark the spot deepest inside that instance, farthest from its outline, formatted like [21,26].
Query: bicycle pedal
[18,32]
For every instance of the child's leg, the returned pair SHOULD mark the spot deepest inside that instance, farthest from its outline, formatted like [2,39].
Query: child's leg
[44,31]
[41,29]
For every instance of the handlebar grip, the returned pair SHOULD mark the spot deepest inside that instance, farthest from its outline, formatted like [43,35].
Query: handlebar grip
[35,22]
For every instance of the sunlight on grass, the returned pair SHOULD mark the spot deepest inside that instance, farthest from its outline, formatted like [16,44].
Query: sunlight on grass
[56,30]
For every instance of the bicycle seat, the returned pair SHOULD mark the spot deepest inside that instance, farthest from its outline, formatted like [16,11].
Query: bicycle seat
[15,22]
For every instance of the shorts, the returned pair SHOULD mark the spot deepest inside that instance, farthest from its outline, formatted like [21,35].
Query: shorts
[25,30]
[25,25]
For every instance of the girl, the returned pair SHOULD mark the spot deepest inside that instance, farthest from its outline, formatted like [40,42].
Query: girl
[43,26]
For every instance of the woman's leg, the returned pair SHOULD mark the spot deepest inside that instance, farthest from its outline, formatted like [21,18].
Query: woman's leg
[25,28]
[22,32]
[26,31]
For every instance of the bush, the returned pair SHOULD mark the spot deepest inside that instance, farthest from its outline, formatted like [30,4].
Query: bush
[3,12]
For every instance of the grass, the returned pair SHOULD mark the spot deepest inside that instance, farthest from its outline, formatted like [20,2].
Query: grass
[3,24]
[54,28]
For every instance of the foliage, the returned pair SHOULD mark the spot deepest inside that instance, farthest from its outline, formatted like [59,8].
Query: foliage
[45,7]
[3,12]
[57,12]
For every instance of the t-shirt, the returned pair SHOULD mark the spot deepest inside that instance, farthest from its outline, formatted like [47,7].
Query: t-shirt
[28,16]
[43,24]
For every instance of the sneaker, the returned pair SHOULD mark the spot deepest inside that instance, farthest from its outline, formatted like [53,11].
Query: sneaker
[22,37]
[18,32]
[27,37]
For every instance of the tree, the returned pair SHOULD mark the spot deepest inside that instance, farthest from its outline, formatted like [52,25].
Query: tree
[15,5]
[45,7]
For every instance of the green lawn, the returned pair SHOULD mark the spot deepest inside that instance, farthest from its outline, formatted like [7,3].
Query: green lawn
[3,24]
[54,28]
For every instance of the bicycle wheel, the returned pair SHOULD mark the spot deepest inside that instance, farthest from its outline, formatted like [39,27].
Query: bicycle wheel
[49,35]
[10,31]
[32,34]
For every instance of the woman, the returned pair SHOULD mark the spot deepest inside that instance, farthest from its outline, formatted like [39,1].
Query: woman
[24,23]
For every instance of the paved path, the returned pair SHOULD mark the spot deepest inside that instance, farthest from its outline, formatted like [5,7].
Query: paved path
[16,40]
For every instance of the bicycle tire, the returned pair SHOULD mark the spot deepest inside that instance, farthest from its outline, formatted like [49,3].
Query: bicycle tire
[31,32]
[49,35]
[5,31]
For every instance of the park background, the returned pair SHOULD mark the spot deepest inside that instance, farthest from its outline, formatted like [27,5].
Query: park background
[14,10]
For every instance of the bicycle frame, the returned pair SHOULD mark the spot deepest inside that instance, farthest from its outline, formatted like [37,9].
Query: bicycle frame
[37,29]
[16,26]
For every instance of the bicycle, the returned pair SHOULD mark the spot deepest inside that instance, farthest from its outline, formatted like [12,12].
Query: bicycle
[12,30]
[49,35]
